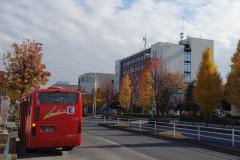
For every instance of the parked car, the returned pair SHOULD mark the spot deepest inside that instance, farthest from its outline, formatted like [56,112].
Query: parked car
[218,114]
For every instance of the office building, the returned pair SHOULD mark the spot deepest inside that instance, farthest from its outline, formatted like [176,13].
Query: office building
[183,57]
[88,81]
[64,85]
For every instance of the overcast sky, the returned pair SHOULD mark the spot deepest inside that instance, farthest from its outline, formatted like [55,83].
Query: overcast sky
[89,35]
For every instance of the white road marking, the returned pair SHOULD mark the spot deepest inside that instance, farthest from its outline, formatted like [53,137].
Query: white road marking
[129,150]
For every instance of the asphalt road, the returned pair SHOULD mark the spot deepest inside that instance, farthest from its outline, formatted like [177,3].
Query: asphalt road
[100,143]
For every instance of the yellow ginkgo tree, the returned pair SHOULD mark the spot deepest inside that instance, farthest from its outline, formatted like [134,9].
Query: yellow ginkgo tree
[232,86]
[209,89]
[125,93]
[145,89]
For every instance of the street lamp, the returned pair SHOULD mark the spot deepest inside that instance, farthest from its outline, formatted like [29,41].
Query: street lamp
[94,96]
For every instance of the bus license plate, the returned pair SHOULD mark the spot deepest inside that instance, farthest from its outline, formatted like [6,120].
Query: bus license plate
[47,129]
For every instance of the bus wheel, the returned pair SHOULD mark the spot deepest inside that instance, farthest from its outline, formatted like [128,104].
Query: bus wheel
[67,148]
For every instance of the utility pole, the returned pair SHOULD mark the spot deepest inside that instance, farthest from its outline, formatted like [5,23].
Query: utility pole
[94,96]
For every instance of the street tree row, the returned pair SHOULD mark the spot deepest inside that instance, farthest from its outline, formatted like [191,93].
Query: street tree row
[156,84]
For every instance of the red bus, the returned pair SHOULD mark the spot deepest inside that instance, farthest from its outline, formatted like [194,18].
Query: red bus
[51,118]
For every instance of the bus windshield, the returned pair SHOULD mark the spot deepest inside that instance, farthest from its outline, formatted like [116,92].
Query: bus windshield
[57,98]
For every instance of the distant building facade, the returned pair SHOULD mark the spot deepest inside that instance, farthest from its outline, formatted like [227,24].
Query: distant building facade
[183,57]
[87,81]
[64,85]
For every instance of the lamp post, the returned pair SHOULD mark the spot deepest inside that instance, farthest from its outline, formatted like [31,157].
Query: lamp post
[94,96]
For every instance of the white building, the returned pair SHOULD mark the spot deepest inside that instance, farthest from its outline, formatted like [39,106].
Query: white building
[183,57]
[87,81]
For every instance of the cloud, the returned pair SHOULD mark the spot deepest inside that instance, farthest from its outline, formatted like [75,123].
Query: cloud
[89,35]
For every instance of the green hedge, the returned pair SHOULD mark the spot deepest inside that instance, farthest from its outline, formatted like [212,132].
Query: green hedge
[222,121]
[134,115]
[147,116]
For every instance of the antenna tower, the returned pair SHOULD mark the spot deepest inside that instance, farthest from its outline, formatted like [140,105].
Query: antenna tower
[145,42]
[181,34]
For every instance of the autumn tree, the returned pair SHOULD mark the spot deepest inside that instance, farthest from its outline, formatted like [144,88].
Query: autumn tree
[125,93]
[99,98]
[145,89]
[226,101]
[107,91]
[24,68]
[208,90]
[232,86]
[87,101]
[134,91]
[162,83]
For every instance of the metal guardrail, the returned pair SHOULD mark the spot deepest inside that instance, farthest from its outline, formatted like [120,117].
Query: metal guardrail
[232,136]
[6,150]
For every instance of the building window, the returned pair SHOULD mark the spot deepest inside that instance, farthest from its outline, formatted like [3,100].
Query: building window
[187,78]
[187,67]
[187,56]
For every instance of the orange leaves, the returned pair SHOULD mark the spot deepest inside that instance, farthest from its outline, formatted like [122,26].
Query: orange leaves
[156,83]
[125,92]
[176,81]
[145,89]
[25,70]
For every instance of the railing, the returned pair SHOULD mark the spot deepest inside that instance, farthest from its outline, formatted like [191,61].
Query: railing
[224,136]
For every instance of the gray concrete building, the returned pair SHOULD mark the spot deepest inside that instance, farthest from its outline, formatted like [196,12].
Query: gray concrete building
[86,81]
[183,57]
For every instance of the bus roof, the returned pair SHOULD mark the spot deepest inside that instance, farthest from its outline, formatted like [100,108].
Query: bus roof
[56,90]
[51,90]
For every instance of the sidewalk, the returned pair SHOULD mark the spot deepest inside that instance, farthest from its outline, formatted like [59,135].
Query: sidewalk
[12,147]
[3,141]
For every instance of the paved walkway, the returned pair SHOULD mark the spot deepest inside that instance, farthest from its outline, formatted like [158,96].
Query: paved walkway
[12,148]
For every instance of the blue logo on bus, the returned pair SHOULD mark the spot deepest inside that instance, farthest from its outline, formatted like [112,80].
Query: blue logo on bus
[70,110]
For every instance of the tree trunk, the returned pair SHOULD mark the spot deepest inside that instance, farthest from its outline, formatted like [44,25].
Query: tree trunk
[195,115]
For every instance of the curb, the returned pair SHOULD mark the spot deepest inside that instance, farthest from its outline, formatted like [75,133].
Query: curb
[195,143]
